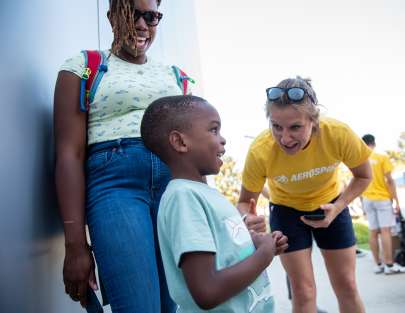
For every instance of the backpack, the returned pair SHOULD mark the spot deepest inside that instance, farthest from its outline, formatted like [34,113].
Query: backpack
[96,64]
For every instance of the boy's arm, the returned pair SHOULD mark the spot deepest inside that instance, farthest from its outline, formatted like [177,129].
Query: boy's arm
[209,287]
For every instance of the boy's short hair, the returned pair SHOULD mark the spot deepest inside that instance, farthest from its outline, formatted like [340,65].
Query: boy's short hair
[162,117]
[369,139]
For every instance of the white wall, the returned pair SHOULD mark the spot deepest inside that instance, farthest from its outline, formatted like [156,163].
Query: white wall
[36,37]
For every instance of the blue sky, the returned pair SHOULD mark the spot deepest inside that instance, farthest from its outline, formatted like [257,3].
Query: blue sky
[354,51]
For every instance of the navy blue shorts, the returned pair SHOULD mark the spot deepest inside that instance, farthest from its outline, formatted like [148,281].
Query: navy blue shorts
[338,235]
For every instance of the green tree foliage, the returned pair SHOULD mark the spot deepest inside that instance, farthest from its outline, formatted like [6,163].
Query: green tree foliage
[398,156]
[229,180]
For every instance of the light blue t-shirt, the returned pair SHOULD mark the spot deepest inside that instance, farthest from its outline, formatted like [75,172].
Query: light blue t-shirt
[195,217]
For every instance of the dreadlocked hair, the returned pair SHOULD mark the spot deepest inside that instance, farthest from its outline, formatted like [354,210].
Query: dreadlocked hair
[123,24]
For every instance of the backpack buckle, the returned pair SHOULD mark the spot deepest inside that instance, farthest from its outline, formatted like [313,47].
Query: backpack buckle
[86,74]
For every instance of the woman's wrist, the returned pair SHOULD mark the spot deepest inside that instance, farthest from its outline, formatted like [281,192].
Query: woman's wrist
[340,204]
[77,246]
[75,235]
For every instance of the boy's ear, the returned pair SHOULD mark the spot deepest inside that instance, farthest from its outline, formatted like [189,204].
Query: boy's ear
[177,141]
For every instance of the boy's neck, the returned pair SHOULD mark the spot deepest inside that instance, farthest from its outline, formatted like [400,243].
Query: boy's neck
[180,170]
[197,178]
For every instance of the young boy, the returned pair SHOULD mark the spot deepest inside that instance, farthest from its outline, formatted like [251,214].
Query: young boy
[209,256]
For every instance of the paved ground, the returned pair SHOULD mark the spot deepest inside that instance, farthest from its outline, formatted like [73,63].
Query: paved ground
[380,293]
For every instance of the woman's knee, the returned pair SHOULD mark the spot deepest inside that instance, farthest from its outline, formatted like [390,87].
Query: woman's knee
[347,287]
[303,292]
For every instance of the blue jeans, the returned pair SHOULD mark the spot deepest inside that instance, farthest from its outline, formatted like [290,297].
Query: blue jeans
[125,182]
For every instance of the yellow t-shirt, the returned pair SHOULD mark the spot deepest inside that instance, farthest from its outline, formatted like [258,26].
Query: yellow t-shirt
[378,189]
[308,178]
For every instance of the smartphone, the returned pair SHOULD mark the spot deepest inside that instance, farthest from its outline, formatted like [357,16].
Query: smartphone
[314,217]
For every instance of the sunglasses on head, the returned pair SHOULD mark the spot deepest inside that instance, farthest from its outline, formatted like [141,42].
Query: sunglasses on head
[294,94]
[151,18]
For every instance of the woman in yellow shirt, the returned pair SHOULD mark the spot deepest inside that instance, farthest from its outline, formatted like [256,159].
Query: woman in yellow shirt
[299,157]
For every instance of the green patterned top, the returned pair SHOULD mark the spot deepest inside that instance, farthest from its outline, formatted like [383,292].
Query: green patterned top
[123,94]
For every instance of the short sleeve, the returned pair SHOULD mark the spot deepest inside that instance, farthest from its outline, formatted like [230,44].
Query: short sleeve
[74,65]
[354,151]
[387,165]
[254,173]
[186,225]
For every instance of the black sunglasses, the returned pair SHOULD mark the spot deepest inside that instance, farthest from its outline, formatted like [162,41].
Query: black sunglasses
[151,18]
[294,94]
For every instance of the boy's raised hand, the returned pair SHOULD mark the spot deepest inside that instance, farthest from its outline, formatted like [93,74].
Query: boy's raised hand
[280,241]
[265,243]
[252,221]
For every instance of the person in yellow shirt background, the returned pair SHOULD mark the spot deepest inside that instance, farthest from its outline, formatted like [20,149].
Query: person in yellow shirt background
[299,157]
[377,202]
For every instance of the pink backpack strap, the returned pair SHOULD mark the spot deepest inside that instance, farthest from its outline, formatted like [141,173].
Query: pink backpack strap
[95,63]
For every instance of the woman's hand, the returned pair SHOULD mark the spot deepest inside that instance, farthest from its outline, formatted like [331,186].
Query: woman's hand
[247,207]
[252,221]
[331,211]
[78,272]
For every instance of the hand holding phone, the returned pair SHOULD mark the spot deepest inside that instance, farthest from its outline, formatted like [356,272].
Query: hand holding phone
[314,217]
[321,218]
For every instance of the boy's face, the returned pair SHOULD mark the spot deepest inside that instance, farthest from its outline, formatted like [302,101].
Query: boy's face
[205,143]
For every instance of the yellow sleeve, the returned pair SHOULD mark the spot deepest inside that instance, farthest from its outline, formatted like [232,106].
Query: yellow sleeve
[354,151]
[254,173]
[387,165]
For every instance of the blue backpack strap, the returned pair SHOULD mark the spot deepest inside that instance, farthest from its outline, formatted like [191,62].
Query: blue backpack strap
[95,64]
[182,79]
[85,77]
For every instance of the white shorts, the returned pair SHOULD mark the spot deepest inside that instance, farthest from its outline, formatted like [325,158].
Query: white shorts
[379,213]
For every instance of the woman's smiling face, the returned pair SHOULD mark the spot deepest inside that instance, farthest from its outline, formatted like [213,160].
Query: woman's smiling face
[291,128]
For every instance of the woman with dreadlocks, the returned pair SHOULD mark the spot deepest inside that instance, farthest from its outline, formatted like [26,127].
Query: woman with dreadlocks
[105,177]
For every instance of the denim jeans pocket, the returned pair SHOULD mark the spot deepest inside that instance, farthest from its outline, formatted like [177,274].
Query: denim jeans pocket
[98,161]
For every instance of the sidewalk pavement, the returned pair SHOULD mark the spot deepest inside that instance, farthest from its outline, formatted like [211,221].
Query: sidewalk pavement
[380,293]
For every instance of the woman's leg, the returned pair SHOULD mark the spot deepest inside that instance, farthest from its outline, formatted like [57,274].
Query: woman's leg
[298,265]
[343,279]
[338,245]
[122,239]
[121,223]
[297,258]
[160,178]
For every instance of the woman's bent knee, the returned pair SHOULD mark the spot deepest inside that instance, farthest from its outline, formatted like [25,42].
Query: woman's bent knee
[304,293]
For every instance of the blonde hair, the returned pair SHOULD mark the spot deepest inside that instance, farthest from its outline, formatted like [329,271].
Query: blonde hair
[308,105]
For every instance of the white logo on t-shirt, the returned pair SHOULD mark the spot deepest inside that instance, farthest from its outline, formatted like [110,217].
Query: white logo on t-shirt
[282,179]
[265,295]
[237,230]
